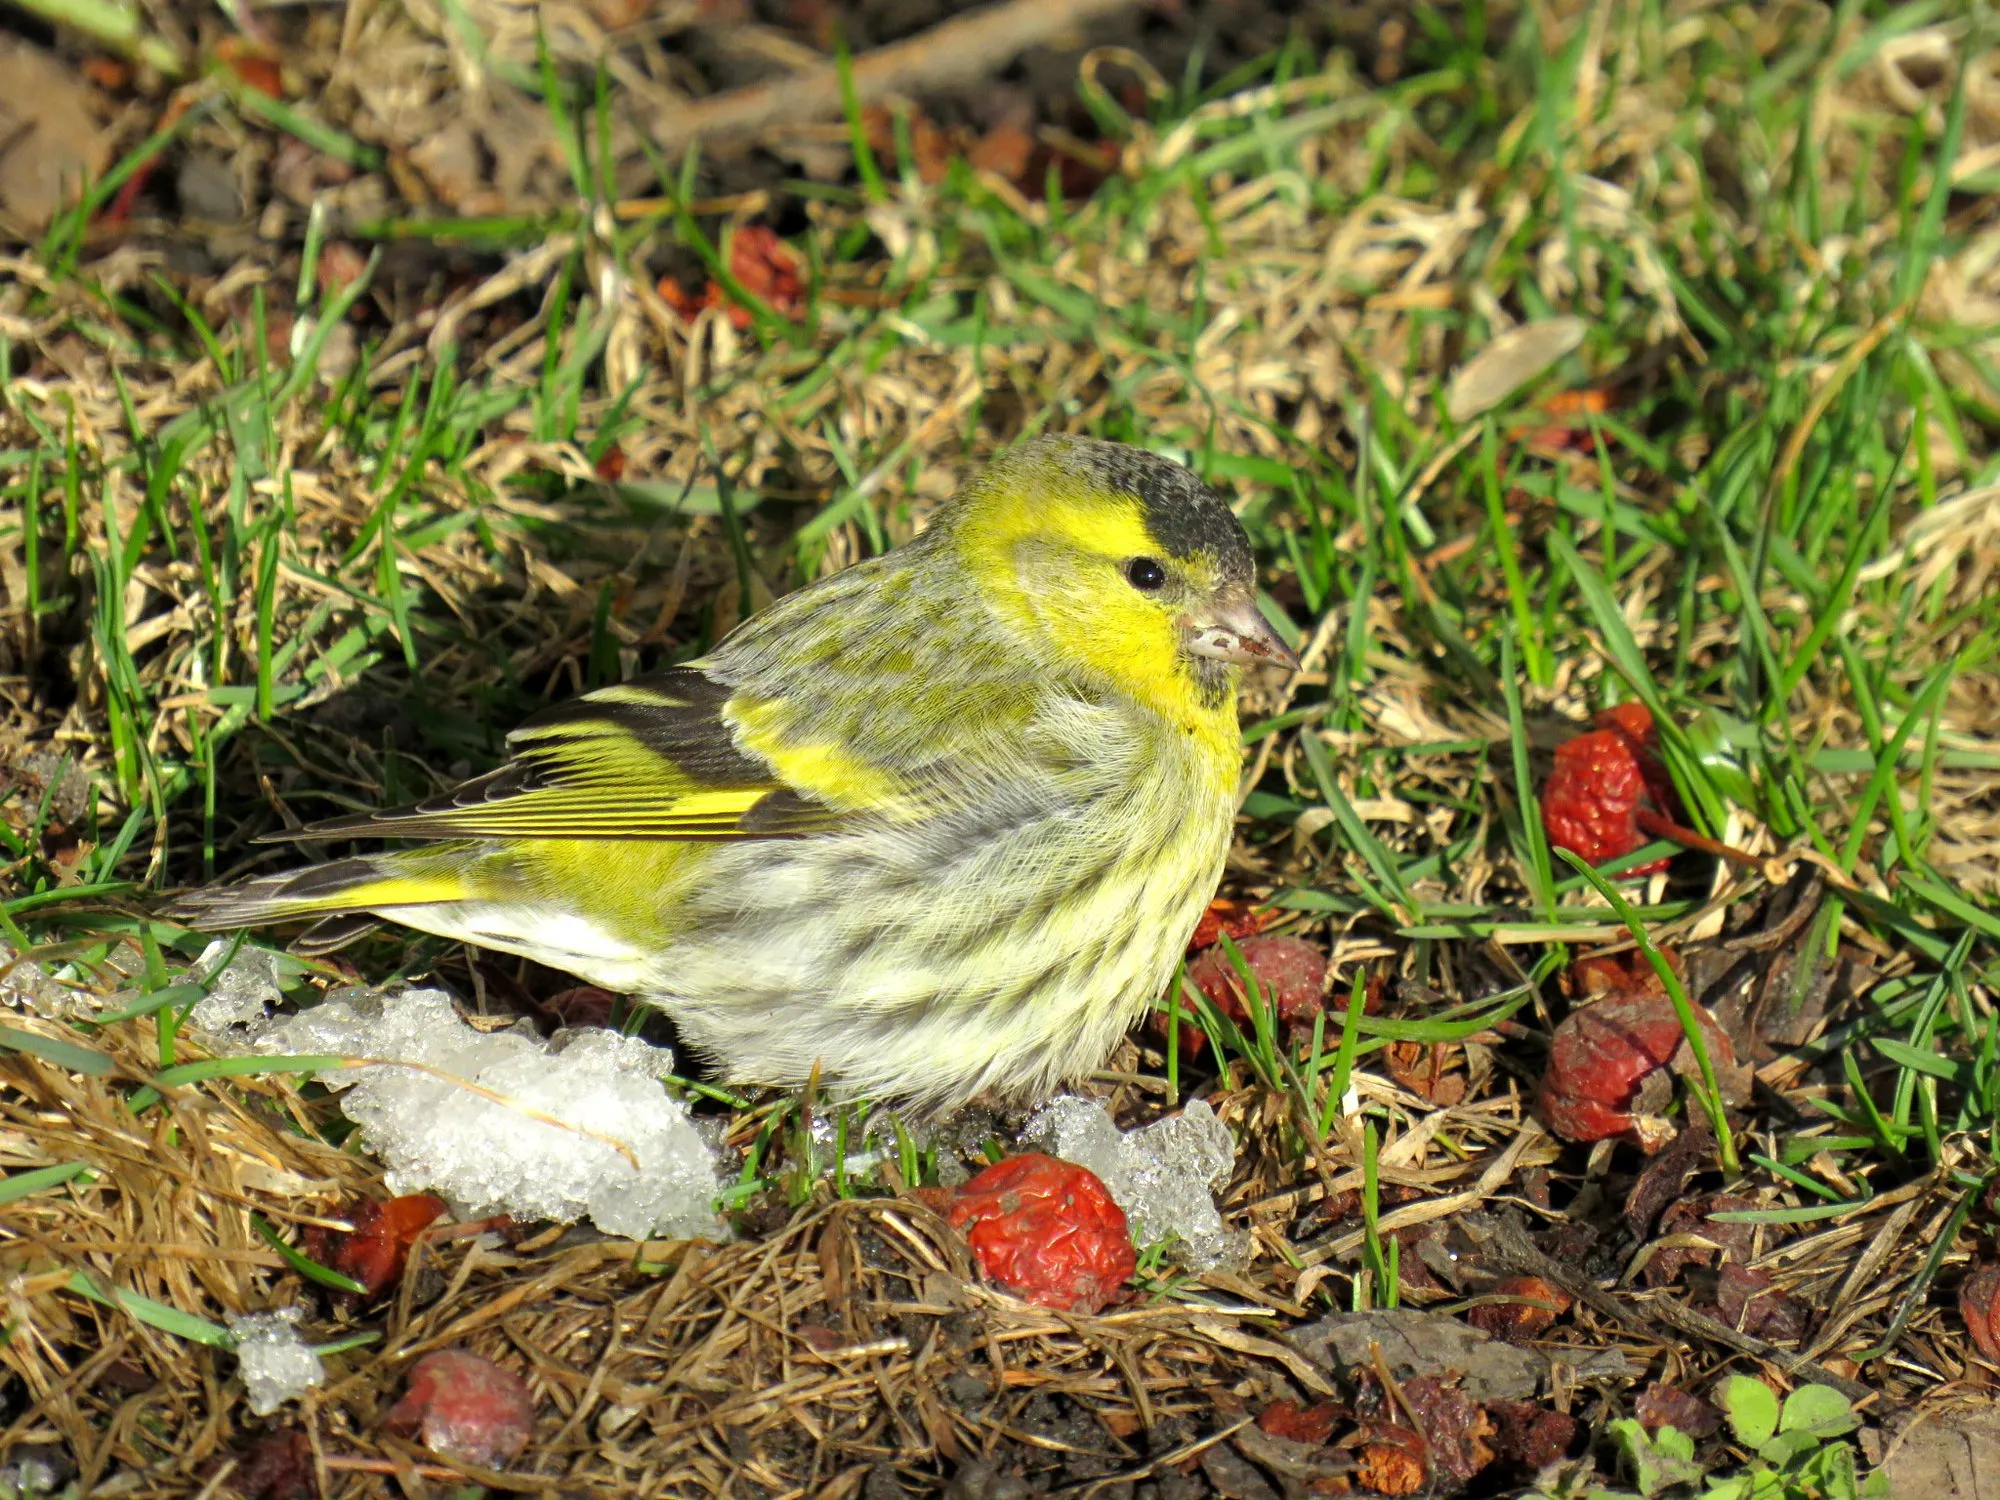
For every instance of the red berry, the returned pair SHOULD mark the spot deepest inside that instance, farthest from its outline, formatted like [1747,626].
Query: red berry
[1290,972]
[1635,722]
[465,1407]
[1532,1305]
[279,1466]
[1606,1053]
[375,1252]
[763,265]
[1226,918]
[1312,1425]
[1979,1303]
[1047,1231]
[1592,797]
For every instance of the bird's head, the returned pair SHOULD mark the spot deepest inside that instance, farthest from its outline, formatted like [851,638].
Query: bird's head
[1116,562]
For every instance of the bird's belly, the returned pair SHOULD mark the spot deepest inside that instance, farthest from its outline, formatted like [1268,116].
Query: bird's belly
[934,963]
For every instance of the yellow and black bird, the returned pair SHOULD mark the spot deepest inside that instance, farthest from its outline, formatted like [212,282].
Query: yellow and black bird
[937,824]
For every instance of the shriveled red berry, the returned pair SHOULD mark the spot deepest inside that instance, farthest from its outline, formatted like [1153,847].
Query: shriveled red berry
[768,268]
[279,1466]
[1529,1435]
[1609,791]
[1979,1303]
[464,1407]
[1591,800]
[1532,1305]
[1290,973]
[1393,1460]
[375,1252]
[1607,1074]
[1634,721]
[1312,1425]
[763,265]
[1047,1231]
[1226,918]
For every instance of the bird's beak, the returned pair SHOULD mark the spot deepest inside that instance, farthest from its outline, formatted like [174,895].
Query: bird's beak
[1232,629]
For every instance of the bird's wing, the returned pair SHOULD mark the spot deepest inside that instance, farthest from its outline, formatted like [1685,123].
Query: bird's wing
[673,755]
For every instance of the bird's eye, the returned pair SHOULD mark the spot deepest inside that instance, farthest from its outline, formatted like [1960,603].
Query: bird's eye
[1145,574]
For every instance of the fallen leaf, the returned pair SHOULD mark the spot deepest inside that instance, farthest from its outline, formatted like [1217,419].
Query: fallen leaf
[1004,150]
[1510,362]
[300,171]
[340,266]
[1691,1216]
[1625,973]
[1425,1069]
[375,1253]
[1392,1461]
[1234,1476]
[109,73]
[1424,1343]
[1669,1406]
[448,158]
[205,187]
[1667,1174]
[1565,420]
[1569,406]
[931,148]
[1748,1300]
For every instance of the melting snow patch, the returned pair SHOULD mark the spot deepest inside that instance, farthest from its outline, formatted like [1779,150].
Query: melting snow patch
[241,993]
[276,1364]
[534,1134]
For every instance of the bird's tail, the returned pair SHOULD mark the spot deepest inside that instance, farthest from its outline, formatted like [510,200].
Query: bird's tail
[361,884]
